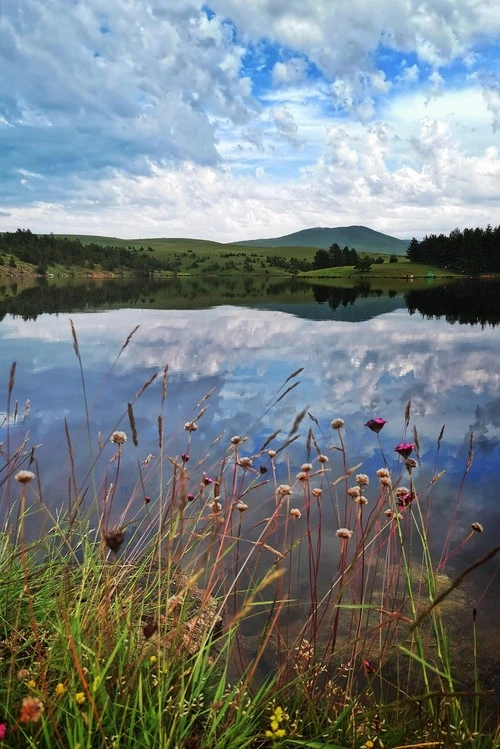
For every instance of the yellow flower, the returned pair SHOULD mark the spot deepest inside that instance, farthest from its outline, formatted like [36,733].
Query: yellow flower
[80,698]
[153,659]
[280,733]
[31,683]
[60,689]
[274,725]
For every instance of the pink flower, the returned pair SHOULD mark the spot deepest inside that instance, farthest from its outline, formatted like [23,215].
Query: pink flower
[376,424]
[3,730]
[404,449]
[184,457]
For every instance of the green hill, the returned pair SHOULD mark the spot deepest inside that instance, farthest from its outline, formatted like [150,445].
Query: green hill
[361,238]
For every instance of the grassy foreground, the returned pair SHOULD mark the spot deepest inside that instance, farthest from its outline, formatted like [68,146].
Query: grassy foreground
[181,620]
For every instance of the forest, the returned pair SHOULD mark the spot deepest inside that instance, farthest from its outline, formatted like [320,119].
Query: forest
[46,249]
[469,251]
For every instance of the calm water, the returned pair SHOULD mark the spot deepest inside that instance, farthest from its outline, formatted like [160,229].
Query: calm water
[365,353]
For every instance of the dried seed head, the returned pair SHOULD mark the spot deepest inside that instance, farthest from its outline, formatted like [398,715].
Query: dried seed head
[317,492]
[119,438]
[23,674]
[411,463]
[271,453]
[477,527]
[114,540]
[344,533]
[245,462]
[242,506]
[401,491]
[295,513]
[323,458]
[31,710]
[354,491]
[284,490]
[386,481]
[215,505]
[190,426]
[302,476]
[306,467]
[150,628]
[389,513]
[337,423]
[236,439]
[362,479]
[383,473]
[24,477]
[361,500]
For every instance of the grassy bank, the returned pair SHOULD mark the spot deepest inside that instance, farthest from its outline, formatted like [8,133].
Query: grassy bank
[196,616]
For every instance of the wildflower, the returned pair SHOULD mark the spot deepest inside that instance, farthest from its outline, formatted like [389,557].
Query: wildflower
[3,730]
[317,492]
[376,424]
[477,527]
[323,458]
[343,533]
[147,500]
[354,491]
[153,659]
[360,500]
[302,476]
[383,473]
[284,490]
[404,500]
[80,698]
[190,426]
[207,480]
[185,457]
[368,744]
[119,438]
[31,710]
[31,684]
[24,477]
[23,674]
[271,453]
[242,506]
[245,463]
[295,513]
[337,423]
[368,667]
[190,497]
[362,479]
[404,449]
[60,689]
[386,481]
[306,467]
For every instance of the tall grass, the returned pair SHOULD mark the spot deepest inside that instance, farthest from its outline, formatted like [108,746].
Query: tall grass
[228,610]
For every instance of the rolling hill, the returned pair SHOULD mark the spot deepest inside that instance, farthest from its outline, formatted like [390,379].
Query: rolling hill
[361,238]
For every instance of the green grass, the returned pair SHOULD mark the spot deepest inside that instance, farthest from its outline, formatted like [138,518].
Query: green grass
[116,641]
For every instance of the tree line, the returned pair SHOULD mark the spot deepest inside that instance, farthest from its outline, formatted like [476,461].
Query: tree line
[470,251]
[335,257]
[46,249]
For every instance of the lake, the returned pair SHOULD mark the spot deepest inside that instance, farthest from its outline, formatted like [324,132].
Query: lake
[365,352]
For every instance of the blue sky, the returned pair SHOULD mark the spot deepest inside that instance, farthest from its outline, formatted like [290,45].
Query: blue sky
[236,120]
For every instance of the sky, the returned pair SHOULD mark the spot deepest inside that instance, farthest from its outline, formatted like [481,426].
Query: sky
[241,119]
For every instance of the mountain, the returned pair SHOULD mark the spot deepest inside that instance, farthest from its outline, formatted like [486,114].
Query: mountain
[361,238]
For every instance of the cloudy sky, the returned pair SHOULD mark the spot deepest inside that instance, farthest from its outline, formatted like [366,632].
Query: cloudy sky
[248,118]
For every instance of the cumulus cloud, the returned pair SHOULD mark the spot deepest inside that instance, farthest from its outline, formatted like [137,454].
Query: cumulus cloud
[150,119]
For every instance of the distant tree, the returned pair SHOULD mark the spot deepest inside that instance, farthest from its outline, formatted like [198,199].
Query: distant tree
[393,259]
[322,259]
[379,260]
[413,251]
[335,256]
[12,262]
[363,265]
